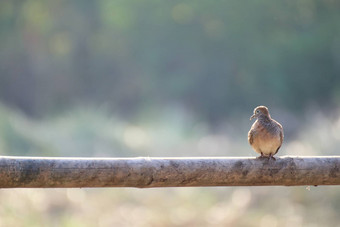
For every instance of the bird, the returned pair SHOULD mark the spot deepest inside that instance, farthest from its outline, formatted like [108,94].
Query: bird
[265,135]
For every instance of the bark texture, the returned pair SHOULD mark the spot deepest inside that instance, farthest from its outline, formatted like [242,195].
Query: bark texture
[34,172]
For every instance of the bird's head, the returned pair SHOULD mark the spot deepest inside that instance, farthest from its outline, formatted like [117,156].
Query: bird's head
[260,111]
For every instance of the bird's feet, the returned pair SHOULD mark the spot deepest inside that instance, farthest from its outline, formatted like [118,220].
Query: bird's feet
[261,156]
[267,157]
[271,157]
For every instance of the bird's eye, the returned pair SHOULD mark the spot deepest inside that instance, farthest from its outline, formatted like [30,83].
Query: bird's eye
[257,111]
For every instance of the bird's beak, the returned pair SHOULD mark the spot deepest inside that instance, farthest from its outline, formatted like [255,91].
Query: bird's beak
[252,116]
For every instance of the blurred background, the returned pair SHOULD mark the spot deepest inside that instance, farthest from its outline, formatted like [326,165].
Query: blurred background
[168,78]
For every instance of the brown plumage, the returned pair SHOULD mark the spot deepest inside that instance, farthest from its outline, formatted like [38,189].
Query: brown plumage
[265,135]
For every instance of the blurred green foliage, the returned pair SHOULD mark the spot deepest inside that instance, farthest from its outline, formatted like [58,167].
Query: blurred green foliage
[233,206]
[137,55]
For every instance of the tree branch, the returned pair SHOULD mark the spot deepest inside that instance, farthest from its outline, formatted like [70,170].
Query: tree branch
[34,172]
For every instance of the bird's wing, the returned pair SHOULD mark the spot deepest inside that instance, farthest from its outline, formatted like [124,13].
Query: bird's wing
[251,136]
[281,131]
[281,136]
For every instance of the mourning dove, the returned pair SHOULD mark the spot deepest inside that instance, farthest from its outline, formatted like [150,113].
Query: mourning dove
[265,135]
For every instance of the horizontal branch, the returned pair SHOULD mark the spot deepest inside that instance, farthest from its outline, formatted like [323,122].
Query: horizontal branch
[33,172]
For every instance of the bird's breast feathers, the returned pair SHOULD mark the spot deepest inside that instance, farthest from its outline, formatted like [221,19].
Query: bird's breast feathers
[264,140]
